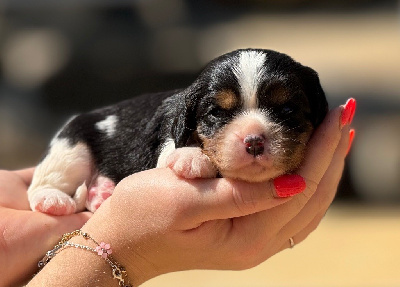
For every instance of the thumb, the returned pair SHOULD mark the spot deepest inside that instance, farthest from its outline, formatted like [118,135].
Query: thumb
[226,198]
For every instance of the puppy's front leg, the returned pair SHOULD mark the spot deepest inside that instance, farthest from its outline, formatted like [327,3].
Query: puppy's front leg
[191,162]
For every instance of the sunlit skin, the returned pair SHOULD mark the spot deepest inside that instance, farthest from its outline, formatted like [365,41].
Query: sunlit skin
[179,220]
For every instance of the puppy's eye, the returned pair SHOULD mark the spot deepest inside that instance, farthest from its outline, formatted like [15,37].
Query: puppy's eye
[286,110]
[217,112]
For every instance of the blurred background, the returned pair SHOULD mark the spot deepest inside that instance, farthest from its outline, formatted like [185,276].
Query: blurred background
[58,59]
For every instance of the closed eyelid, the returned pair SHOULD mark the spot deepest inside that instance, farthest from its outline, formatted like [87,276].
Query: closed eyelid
[226,99]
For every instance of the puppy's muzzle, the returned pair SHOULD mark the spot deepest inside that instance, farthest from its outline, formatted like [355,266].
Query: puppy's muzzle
[254,144]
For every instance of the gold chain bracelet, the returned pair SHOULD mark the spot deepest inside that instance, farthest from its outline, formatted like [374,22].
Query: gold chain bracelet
[103,249]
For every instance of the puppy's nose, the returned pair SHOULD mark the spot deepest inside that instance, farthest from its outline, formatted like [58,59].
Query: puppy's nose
[254,144]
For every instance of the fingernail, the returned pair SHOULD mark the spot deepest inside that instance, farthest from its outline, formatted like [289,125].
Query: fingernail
[348,112]
[351,137]
[289,185]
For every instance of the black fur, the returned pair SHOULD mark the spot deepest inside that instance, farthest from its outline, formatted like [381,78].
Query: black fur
[147,121]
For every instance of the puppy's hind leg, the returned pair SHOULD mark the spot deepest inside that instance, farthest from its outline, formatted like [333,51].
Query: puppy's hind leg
[63,173]
[99,190]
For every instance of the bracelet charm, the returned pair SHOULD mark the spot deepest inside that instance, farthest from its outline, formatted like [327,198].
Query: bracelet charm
[103,250]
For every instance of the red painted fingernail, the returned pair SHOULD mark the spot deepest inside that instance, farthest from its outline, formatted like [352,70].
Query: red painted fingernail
[289,185]
[351,137]
[348,112]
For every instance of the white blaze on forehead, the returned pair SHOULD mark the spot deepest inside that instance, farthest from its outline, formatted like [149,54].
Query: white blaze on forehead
[108,125]
[249,71]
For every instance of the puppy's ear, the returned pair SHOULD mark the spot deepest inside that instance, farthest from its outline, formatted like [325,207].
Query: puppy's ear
[315,95]
[185,123]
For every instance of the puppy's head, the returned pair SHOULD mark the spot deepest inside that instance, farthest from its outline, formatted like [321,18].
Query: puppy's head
[254,112]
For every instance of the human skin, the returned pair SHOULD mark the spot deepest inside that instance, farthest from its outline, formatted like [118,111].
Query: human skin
[157,222]
[25,235]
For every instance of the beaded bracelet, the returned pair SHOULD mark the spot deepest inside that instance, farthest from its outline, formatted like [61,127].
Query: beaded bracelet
[103,249]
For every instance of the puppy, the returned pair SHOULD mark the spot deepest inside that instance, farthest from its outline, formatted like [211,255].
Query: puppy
[248,116]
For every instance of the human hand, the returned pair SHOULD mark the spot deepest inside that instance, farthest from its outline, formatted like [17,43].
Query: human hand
[159,223]
[13,187]
[26,235]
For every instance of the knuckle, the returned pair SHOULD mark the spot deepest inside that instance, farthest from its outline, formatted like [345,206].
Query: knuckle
[311,187]
[243,200]
[324,200]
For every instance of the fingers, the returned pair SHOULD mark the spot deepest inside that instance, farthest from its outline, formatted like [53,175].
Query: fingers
[324,142]
[319,155]
[226,198]
[321,149]
[303,234]
[325,193]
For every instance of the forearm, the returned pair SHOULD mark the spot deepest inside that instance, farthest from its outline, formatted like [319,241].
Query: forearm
[81,267]
[75,267]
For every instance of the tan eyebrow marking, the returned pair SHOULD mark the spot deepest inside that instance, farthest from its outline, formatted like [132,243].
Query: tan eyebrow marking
[226,99]
[278,95]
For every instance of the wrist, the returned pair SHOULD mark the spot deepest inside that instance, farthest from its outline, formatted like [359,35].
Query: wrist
[106,228]
[74,267]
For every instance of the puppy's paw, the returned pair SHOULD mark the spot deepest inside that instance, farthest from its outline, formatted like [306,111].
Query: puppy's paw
[191,162]
[52,201]
[99,191]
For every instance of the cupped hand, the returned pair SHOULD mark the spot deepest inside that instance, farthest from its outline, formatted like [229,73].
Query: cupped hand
[159,223]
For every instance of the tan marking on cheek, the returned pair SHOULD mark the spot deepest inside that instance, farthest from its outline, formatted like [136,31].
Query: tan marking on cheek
[212,148]
[292,159]
[295,160]
[226,99]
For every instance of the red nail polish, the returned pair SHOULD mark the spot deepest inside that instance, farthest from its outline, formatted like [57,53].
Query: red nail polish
[351,137]
[289,185]
[353,111]
[348,112]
